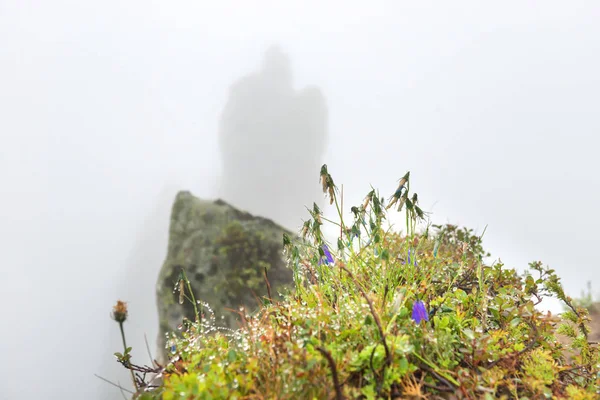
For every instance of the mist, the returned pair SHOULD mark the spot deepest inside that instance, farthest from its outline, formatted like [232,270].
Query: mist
[272,140]
[108,109]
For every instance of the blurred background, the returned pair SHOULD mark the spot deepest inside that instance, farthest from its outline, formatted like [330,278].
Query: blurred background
[108,108]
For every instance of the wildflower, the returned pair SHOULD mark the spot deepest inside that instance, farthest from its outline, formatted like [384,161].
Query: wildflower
[419,312]
[403,200]
[409,259]
[286,240]
[404,179]
[327,257]
[120,312]
[305,229]
[317,214]
[327,183]
[398,300]
[323,177]
[420,214]
[398,193]
[181,290]
[416,263]
[355,231]
[368,199]
[180,286]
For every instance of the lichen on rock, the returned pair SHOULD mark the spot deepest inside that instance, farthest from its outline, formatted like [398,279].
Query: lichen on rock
[224,253]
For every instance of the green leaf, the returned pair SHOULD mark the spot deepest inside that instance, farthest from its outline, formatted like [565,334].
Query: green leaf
[469,333]
[231,356]
[403,365]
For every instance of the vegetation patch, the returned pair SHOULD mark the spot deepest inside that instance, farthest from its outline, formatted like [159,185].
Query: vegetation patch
[379,313]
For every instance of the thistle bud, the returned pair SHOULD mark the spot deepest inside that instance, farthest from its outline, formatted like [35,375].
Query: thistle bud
[119,313]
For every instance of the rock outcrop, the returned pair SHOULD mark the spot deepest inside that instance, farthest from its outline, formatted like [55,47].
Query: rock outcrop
[224,253]
[272,139]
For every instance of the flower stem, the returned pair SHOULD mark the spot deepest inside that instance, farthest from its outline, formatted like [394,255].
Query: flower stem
[125,350]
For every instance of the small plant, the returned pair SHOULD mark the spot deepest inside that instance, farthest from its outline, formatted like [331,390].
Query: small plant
[120,315]
[380,314]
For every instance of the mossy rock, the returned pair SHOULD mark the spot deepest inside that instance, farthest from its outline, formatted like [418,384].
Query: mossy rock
[224,253]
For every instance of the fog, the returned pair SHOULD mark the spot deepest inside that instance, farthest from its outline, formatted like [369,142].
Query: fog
[272,140]
[107,109]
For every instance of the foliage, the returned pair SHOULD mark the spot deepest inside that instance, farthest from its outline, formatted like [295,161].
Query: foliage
[380,314]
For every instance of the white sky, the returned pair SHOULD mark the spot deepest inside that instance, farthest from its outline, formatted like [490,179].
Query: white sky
[108,108]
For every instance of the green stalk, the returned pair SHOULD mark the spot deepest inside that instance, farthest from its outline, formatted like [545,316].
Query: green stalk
[193,299]
[125,352]
[436,369]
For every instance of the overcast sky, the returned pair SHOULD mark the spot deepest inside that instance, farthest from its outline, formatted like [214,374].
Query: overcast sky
[108,108]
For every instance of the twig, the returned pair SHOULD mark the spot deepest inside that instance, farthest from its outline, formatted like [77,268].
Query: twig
[529,346]
[148,348]
[268,286]
[342,212]
[121,391]
[438,376]
[114,384]
[438,388]
[336,382]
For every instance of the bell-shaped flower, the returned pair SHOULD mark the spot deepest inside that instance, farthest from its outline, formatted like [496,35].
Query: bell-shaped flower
[419,312]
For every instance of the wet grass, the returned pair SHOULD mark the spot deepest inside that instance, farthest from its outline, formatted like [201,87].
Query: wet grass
[385,314]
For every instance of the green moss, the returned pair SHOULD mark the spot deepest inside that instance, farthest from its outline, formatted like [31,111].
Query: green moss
[224,253]
[539,370]
[242,254]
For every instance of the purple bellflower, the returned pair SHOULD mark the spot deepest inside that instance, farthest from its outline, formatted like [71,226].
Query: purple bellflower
[416,263]
[409,261]
[328,258]
[419,312]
